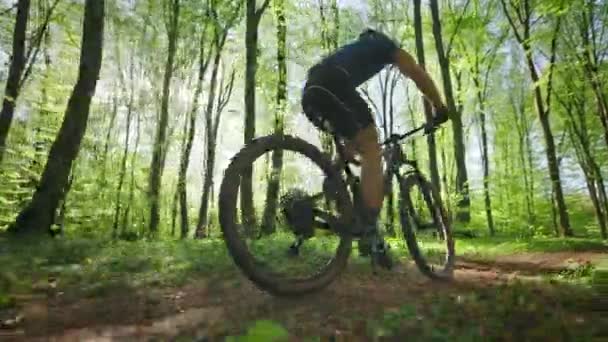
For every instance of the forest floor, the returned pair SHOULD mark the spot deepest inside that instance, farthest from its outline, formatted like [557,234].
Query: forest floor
[503,290]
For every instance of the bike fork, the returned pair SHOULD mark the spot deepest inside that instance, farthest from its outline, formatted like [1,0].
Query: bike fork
[294,249]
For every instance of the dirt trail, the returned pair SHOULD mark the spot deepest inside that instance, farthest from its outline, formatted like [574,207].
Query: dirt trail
[209,308]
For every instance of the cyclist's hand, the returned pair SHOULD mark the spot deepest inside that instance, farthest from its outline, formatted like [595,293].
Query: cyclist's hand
[441,115]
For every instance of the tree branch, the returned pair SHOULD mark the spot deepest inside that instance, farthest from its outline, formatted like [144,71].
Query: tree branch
[511,22]
[223,99]
[260,11]
[9,9]
[458,22]
[32,54]
[224,96]
[517,11]
[552,63]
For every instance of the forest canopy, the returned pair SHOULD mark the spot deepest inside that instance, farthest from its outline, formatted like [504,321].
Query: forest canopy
[182,86]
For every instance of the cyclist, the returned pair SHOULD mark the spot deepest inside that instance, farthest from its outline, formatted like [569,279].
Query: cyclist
[331,102]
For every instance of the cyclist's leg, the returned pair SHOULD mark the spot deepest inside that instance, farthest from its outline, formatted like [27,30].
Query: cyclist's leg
[372,183]
[336,107]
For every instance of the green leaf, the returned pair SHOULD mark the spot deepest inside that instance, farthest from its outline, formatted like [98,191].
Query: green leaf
[263,331]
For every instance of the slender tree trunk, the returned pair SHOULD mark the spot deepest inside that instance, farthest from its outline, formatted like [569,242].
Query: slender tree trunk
[106,145]
[123,162]
[329,42]
[525,155]
[582,154]
[38,215]
[185,160]
[253,16]
[484,148]
[595,199]
[123,165]
[129,203]
[157,165]
[530,159]
[542,109]
[576,110]
[462,183]
[272,192]
[564,221]
[432,149]
[174,205]
[15,72]
[178,187]
[602,198]
[486,169]
[225,92]
[209,148]
[63,208]
[590,39]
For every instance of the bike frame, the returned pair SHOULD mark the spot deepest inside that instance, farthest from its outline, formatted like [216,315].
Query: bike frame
[394,158]
[392,154]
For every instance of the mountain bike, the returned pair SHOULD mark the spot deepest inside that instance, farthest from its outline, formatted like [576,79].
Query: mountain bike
[334,210]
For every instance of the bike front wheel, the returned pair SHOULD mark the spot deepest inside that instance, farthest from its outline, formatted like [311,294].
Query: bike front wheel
[427,232]
[251,247]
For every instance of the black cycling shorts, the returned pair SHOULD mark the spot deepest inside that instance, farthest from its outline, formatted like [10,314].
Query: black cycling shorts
[331,102]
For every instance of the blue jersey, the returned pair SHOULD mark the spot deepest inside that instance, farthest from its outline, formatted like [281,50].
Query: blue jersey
[365,57]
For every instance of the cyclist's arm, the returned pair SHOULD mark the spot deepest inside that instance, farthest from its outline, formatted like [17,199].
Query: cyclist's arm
[408,66]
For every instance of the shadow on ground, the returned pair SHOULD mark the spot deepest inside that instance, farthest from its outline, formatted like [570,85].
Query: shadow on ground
[486,301]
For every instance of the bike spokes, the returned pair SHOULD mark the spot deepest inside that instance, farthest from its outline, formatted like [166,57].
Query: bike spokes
[426,230]
[283,246]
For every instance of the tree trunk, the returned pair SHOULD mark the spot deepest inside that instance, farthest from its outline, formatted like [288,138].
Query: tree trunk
[174,205]
[543,113]
[486,167]
[272,192]
[253,17]
[329,42]
[585,161]
[524,152]
[564,221]
[106,145]
[180,178]
[591,39]
[39,213]
[185,160]
[576,110]
[479,89]
[462,183]
[16,69]
[434,171]
[157,165]
[127,211]
[123,164]
[209,148]
[594,194]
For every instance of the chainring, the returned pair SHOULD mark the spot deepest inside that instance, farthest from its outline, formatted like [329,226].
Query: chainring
[297,208]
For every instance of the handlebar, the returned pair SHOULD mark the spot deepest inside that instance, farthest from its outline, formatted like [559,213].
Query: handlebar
[395,138]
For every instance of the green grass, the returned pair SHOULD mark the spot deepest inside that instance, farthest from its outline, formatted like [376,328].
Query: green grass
[507,312]
[491,247]
[97,268]
[93,267]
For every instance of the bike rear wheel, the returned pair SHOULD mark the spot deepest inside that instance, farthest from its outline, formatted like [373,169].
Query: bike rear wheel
[281,283]
[434,256]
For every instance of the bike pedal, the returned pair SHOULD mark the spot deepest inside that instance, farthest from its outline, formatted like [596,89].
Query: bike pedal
[373,264]
[293,251]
